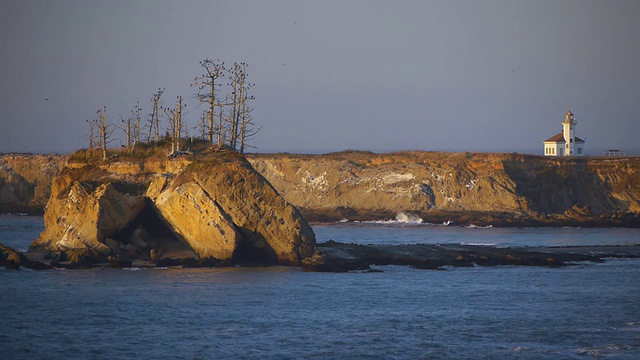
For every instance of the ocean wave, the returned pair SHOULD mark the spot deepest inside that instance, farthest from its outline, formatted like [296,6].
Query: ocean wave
[604,350]
[478,244]
[472,226]
[401,219]
[132,269]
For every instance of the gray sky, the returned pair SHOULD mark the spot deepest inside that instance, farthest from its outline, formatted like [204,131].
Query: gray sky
[370,75]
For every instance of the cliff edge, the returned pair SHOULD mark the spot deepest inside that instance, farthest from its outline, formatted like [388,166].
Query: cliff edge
[479,188]
[462,188]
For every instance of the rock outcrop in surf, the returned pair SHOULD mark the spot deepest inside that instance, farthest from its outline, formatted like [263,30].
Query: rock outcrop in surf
[209,205]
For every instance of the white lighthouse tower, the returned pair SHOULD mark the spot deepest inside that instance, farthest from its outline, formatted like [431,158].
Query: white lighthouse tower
[565,143]
[569,132]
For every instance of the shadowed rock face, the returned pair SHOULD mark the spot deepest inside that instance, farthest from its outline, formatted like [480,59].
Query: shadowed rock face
[213,205]
[25,181]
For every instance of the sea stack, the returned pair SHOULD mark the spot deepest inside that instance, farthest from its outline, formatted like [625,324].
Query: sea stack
[211,204]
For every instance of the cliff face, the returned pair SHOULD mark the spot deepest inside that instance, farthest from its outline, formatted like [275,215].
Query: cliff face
[213,204]
[25,181]
[502,189]
[365,185]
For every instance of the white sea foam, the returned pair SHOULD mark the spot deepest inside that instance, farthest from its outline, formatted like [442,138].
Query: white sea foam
[132,269]
[471,226]
[477,244]
[401,218]
[408,218]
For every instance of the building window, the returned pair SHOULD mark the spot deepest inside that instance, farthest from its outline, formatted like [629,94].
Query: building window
[579,151]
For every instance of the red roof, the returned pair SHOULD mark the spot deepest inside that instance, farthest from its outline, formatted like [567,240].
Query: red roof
[559,138]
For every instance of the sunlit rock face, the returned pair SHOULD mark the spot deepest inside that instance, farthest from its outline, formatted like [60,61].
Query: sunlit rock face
[434,185]
[81,217]
[461,188]
[209,205]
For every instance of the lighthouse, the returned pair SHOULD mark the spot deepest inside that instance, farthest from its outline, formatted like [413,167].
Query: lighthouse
[569,132]
[565,143]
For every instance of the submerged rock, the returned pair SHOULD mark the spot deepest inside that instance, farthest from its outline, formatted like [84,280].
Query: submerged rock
[11,258]
[338,257]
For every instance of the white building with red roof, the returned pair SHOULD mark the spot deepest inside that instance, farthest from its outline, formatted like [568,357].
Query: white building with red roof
[566,143]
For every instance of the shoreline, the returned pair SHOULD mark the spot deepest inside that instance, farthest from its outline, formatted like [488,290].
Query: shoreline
[332,256]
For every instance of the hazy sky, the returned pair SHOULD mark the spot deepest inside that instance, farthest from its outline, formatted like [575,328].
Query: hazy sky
[332,75]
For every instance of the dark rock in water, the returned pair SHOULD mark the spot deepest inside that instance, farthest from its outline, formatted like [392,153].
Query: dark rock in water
[120,263]
[10,258]
[337,257]
[168,262]
[13,259]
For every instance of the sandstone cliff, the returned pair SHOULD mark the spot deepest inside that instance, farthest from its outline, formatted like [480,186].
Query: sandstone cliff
[209,205]
[479,188]
[25,181]
[503,189]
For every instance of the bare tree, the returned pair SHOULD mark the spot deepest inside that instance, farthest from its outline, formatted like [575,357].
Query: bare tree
[207,84]
[220,130]
[202,125]
[135,113]
[128,129]
[91,137]
[154,117]
[241,126]
[175,123]
[105,130]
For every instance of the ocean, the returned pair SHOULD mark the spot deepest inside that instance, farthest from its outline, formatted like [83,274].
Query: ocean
[584,311]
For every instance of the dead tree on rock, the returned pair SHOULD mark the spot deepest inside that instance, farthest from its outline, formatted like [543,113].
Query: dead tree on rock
[176,126]
[135,113]
[154,117]
[105,130]
[127,126]
[241,126]
[207,85]
[92,134]
[202,125]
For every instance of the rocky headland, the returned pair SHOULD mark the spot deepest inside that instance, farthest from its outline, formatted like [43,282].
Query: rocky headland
[499,189]
[459,188]
[215,207]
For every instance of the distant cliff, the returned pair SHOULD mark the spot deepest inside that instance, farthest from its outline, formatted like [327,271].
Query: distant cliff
[25,181]
[480,188]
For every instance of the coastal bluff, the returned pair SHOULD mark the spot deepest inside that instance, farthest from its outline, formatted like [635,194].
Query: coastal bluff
[208,205]
[499,189]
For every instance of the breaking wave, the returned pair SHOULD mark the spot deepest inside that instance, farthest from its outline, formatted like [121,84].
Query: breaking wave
[408,218]
[401,219]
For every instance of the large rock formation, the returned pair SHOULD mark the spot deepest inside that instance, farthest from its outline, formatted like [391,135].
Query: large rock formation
[211,205]
[503,189]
